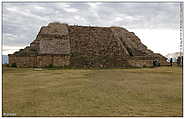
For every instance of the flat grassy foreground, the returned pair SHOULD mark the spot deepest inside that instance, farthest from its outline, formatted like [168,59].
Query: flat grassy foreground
[108,92]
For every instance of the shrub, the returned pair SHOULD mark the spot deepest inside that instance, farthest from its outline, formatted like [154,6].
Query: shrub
[50,66]
[14,65]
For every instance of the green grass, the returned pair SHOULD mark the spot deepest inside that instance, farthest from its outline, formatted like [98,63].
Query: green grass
[78,92]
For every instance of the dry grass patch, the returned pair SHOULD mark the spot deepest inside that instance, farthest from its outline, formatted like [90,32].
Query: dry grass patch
[109,92]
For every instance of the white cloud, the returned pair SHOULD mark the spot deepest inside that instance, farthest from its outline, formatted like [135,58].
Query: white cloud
[70,9]
[12,9]
[66,7]
[9,37]
[10,49]
[162,41]
[94,5]
[118,19]
[39,7]
[129,17]
[153,22]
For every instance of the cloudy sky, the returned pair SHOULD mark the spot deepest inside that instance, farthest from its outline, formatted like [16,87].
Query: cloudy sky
[156,24]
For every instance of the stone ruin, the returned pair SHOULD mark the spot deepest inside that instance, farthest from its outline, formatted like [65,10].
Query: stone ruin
[60,45]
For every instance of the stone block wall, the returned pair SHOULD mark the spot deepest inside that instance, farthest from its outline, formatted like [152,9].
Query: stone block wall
[11,59]
[59,60]
[54,45]
[22,61]
[39,61]
[54,39]
[44,60]
[146,61]
[94,47]
[140,63]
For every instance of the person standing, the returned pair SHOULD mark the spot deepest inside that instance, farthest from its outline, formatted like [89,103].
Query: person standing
[178,60]
[171,61]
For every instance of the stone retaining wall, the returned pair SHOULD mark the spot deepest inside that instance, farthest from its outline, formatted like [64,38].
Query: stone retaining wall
[145,63]
[40,61]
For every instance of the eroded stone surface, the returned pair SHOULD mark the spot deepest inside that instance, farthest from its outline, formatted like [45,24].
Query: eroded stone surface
[83,46]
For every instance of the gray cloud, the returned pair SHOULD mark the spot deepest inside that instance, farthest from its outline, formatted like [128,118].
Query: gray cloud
[22,21]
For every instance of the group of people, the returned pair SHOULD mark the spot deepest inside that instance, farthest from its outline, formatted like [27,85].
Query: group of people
[156,63]
[179,61]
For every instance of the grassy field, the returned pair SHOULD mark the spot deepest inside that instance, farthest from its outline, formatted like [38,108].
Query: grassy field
[108,92]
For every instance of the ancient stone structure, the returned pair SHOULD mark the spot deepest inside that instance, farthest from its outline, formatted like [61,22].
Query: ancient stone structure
[60,45]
